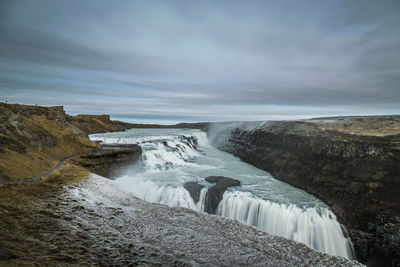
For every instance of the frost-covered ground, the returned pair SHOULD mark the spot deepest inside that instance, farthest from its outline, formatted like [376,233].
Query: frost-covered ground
[98,223]
[130,230]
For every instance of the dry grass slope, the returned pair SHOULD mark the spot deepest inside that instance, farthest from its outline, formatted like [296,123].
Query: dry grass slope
[34,139]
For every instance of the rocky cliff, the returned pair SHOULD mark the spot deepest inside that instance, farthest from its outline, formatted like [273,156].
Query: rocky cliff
[91,124]
[109,160]
[350,163]
[33,139]
[74,218]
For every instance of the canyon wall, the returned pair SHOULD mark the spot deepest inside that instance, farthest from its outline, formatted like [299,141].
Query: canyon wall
[33,139]
[109,160]
[356,172]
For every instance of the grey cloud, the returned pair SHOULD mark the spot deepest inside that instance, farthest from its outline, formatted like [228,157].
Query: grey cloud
[31,45]
[207,59]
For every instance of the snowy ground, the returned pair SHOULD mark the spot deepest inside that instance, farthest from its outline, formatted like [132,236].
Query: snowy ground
[132,230]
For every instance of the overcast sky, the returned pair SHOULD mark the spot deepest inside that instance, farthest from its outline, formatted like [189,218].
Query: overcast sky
[172,61]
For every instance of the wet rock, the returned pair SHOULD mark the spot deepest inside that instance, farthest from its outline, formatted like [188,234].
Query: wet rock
[191,141]
[6,253]
[222,181]
[387,241]
[363,243]
[109,159]
[215,193]
[194,189]
[356,174]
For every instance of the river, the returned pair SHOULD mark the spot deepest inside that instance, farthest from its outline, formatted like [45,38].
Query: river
[173,157]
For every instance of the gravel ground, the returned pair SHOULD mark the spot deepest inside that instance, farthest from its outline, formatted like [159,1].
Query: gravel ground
[96,223]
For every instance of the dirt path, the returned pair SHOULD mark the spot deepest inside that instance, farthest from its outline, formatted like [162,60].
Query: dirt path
[38,178]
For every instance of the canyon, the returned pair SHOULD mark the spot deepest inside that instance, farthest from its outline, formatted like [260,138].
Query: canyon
[351,163]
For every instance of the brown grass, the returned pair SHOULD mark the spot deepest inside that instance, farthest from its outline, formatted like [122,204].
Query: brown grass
[39,157]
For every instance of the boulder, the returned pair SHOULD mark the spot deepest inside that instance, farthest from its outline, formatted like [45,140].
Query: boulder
[194,189]
[215,193]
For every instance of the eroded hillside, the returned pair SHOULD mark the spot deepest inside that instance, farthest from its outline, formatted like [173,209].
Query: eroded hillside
[34,139]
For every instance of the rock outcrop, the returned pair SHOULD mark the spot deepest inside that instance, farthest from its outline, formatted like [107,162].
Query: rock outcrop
[109,159]
[95,223]
[52,113]
[358,175]
[194,189]
[33,139]
[214,193]
[91,124]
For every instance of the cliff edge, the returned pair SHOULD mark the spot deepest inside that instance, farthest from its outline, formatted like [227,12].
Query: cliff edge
[74,218]
[33,139]
[351,163]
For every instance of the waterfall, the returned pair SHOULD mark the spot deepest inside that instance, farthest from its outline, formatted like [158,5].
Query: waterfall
[167,195]
[161,152]
[317,228]
[169,161]
[202,200]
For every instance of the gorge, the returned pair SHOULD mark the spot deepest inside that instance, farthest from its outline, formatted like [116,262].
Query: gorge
[351,163]
[183,169]
[173,159]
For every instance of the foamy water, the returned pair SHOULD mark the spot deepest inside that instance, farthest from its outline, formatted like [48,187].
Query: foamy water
[172,157]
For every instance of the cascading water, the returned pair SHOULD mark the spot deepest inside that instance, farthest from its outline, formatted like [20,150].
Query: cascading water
[315,227]
[173,157]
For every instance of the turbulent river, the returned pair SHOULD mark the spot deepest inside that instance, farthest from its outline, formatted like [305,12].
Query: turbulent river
[173,157]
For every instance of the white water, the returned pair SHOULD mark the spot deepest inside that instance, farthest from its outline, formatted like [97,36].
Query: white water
[170,160]
[317,228]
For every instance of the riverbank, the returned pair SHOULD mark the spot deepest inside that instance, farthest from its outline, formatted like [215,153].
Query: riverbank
[180,168]
[74,218]
[70,216]
[351,163]
[34,139]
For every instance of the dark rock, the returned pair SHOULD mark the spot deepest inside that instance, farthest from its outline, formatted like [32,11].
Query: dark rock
[387,241]
[191,141]
[357,175]
[194,189]
[363,243]
[108,159]
[215,193]
[6,253]
[222,181]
